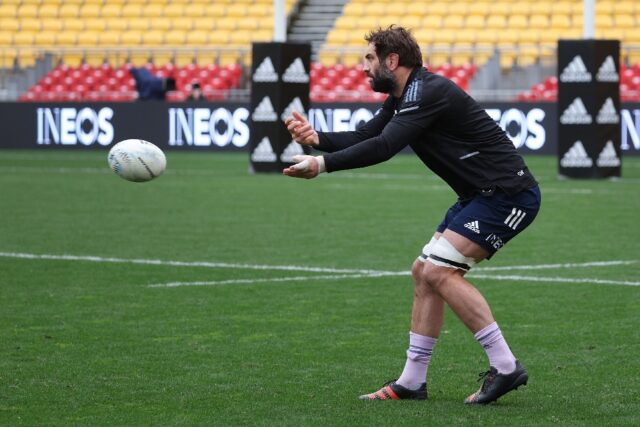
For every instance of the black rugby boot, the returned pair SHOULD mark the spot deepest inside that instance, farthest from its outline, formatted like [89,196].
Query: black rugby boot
[495,384]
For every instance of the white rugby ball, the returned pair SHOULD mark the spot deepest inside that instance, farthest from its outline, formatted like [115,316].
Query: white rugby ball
[137,160]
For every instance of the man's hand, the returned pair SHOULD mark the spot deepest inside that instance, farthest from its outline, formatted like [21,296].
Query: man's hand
[305,167]
[301,130]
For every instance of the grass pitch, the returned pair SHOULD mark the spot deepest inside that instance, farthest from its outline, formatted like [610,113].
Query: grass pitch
[214,297]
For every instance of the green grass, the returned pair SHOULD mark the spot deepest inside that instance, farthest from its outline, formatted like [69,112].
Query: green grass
[90,343]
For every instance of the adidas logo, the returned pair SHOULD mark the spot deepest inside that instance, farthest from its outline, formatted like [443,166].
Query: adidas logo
[295,105]
[293,149]
[265,72]
[607,71]
[575,72]
[473,226]
[295,73]
[264,112]
[608,158]
[608,114]
[576,114]
[263,152]
[576,157]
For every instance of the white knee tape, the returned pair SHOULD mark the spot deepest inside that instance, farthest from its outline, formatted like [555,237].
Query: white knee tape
[427,249]
[443,254]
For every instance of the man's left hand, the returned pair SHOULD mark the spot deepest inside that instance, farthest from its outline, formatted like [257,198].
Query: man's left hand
[305,167]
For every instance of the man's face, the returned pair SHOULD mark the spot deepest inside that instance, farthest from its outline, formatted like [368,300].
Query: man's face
[380,77]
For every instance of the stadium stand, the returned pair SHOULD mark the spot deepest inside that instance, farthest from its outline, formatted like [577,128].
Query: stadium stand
[458,38]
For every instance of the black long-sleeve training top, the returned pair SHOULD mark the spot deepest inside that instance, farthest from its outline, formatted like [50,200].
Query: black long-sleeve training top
[445,127]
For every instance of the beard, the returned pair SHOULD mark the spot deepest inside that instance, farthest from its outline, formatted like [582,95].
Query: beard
[383,80]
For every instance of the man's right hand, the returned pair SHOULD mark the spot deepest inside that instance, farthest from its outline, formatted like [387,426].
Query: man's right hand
[301,130]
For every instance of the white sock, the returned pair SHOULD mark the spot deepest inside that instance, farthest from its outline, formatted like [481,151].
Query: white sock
[418,357]
[497,349]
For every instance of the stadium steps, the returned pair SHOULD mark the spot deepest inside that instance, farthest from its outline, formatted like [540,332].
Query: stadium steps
[313,21]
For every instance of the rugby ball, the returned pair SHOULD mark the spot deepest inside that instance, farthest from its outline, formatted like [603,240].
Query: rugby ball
[137,160]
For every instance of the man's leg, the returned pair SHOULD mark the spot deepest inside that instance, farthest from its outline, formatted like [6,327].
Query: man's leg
[450,260]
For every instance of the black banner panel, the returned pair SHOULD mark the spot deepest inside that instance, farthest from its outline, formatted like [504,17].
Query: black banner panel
[589,111]
[279,86]
[532,127]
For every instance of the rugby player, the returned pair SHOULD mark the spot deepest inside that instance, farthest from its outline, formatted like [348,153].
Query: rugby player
[497,198]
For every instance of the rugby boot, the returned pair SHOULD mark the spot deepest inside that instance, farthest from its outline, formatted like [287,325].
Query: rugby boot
[392,391]
[496,385]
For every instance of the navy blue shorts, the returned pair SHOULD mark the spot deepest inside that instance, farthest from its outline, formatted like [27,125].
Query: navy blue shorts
[491,221]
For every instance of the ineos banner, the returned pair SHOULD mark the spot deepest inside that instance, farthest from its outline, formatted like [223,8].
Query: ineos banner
[202,126]
[589,108]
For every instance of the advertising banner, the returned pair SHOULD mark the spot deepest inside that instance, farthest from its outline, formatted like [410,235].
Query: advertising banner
[279,85]
[589,108]
[532,127]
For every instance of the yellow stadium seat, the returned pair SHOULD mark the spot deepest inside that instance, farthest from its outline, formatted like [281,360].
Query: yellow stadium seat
[194,10]
[520,8]
[228,24]
[153,38]
[8,11]
[69,11]
[152,10]
[9,24]
[140,24]
[181,23]
[604,21]
[354,9]
[328,59]
[173,10]
[183,59]
[161,23]
[26,58]
[479,8]
[111,10]
[24,38]
[261,10]
[346,22]
[116,24]
[237,10]
[626,8]
[67,38]
[539,21]
[132,10]
[88,38]
[265,23]
[432,22]
[376,9]
[205,24]
[444,36]
[487,36]
[604,7]
[475,21]
[530,36]
[560,21]
[95,24]
[49,24]
[518,21]
[8,57]
[453,21]
[6,38]
[28,11]
[262,35]
[73,24]
[435,8]
[543,7]
[48,11]
[420,9]
[90,10]
[229,58]
[337,37]
[412,22]
[131,38]
[561,8]
[30,24]
[500,8]
[45,38]
[465,36]
[240,38]
[247,23]
[175,37]
[109,38]
[625,21]
[219,38]
[215,9]
[197,38]
[497,22]
[72,59]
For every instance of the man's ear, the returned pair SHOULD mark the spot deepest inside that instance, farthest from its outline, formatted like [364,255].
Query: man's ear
[393,61]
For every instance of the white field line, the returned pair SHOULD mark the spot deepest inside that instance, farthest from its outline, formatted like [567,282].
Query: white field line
[264,280]
[556,279]
[338,273]
[203,264]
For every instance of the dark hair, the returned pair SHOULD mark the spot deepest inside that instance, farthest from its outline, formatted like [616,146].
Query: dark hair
[396,40]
